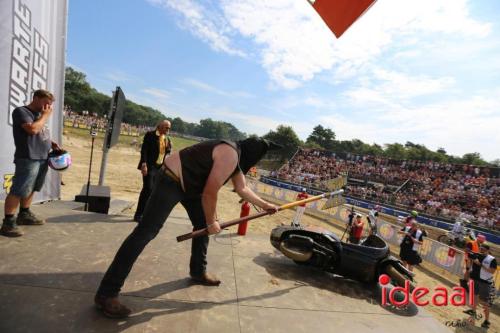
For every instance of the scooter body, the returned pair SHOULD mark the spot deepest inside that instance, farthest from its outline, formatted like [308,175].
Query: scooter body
[321,248]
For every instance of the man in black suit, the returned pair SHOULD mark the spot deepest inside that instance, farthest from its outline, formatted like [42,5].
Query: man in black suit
[155,146]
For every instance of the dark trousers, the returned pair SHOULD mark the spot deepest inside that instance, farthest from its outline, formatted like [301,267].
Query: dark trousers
[148,182]
[166,194]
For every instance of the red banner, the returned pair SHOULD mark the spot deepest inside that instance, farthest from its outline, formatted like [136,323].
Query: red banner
[339,15]
[451,252]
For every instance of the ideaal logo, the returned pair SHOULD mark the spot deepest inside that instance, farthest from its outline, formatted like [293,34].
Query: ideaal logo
[7,182]
[439,296]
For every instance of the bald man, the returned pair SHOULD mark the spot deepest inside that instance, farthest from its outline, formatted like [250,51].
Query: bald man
[192,176]
[155,146]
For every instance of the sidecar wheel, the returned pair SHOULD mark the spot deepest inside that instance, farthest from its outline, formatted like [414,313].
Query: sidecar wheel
[445,240]
[398,278]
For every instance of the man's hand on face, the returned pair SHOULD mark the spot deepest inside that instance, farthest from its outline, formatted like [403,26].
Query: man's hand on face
[213,228]
[47,109]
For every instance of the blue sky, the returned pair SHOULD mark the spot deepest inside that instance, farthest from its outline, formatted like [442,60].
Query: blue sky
[424,71]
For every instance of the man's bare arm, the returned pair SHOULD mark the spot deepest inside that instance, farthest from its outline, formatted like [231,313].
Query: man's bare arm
[247,194]
[225,160]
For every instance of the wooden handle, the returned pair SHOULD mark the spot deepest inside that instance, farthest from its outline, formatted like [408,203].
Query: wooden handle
[203,232]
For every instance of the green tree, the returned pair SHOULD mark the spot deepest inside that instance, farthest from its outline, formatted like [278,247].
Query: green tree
[285,136]
[323,137]
[473,158]
[395,151]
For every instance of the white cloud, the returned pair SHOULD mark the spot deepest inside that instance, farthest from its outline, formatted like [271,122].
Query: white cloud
[294,44]
[298,45]
[384,87]
[462,125]
[118,76]
[211,89]
[205,22]
[259,124]
[155,92]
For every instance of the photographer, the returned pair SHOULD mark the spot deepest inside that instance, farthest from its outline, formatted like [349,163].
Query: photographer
[484,266]
[356,230]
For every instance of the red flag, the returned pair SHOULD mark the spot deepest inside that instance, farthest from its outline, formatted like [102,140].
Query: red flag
[339,15]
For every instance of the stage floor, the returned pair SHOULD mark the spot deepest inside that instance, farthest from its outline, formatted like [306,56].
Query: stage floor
[49,276]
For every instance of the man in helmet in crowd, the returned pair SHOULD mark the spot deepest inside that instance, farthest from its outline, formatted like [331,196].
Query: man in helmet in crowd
[33,143]
[411,218]
[192,176]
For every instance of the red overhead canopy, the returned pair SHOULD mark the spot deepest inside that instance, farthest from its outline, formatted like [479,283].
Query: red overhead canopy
[339,15]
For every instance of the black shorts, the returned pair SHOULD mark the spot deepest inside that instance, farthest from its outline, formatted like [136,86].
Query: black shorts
[410,256]
[485,290]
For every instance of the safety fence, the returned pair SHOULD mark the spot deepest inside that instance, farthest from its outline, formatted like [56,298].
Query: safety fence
[431,251]
[427,220]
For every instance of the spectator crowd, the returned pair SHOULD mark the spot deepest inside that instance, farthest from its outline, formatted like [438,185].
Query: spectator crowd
[437,189]
[86,120]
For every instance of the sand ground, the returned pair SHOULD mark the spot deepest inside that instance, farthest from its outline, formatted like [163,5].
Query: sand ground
[125,182]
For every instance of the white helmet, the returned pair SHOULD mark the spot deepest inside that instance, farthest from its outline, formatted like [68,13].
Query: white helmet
[59,160]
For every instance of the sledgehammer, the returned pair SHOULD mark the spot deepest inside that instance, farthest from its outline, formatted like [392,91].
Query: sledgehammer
[203,232]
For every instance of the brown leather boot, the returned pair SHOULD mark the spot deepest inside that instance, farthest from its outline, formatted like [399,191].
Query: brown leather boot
[206,279]
[111,307]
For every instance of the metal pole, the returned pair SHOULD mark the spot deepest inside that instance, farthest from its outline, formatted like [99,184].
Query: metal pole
[103,161]
[88,182]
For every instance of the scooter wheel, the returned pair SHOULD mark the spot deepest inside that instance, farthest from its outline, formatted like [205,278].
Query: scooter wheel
[397,277]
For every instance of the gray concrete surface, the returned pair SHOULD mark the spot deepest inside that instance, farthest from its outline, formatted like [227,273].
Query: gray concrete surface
[48,278]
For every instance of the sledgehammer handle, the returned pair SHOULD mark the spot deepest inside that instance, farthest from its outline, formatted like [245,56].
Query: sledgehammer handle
[203,232]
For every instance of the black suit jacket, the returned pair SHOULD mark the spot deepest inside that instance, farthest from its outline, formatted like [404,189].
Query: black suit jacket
[151,148]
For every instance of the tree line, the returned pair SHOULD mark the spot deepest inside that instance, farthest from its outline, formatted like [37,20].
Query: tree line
[79,95]
[325,138]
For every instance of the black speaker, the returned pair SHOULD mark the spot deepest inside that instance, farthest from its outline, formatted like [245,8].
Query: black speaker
[99,198]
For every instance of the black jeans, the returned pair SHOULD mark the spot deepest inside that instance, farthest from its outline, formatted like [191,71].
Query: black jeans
[166,194]
[148,182]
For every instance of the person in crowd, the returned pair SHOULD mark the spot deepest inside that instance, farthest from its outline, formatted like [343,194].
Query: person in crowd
[484,266]
[356,230]
[458,230]
[410,245]
[471,251]
[411,218]
[372,221]
[155,146]
[300,209]
[33,143]
[192,176]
